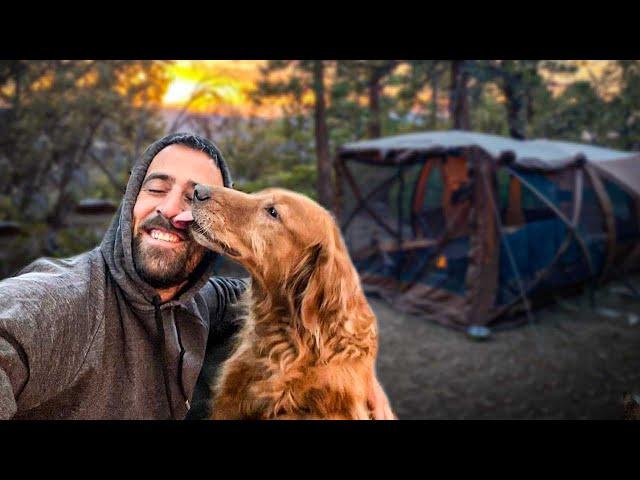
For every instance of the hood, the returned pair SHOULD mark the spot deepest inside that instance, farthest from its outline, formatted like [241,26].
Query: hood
[116,247]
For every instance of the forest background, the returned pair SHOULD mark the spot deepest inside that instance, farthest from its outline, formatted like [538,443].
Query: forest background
[70,130]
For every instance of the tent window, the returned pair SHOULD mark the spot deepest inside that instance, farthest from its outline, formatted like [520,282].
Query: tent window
[456,195]
[434,189]
[403,191]
[503,188]
[533,208]
[430,219]
[373,185]
[510,199]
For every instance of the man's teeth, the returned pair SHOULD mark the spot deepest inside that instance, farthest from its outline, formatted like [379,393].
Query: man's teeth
[165,236]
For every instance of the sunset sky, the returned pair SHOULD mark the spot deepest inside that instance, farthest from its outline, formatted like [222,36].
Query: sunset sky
[229,83]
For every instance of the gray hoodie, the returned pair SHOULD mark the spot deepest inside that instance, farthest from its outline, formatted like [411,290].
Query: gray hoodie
[79,337]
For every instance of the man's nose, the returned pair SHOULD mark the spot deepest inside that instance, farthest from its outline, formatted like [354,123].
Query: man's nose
[201,193]
[171,205]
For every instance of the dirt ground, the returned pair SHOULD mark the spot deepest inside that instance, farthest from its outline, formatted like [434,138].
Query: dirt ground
[574,362]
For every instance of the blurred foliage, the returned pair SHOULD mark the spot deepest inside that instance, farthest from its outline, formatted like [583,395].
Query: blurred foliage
[301,178]
[60,118]
[71,129]
[257,149]
[519,98]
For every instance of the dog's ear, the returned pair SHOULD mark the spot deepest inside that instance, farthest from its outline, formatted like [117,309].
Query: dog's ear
[314,296]
[331,281]
[297,288]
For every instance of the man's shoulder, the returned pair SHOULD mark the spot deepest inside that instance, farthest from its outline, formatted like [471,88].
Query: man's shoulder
[219,291]
[228,285]
[68,278]
[239,284]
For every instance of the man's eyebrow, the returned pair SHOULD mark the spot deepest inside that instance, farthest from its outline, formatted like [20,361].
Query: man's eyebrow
[159,176]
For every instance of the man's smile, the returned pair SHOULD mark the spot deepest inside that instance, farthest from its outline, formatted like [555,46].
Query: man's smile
[163,237]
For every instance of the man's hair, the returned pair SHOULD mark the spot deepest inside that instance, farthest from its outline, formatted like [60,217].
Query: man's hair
[195,142]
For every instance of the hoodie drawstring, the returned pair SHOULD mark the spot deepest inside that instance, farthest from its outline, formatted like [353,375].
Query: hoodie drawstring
[163,351]
[180,364]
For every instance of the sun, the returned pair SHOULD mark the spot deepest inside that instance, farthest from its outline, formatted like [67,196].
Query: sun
[212,86]
[179,92]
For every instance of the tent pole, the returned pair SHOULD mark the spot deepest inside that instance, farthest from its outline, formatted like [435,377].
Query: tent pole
[577,208]
[362,202]
[512,261]
[418,196]
[400,194]
[560,215]
[400,220]
[441,242]
[607,208]
[443,239]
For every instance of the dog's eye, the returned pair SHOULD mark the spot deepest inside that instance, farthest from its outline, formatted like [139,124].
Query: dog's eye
[272,211]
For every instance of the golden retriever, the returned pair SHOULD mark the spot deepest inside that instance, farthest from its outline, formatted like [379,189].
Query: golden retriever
[308,346]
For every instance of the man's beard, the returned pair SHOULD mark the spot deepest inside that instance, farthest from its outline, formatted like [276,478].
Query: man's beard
[165,267]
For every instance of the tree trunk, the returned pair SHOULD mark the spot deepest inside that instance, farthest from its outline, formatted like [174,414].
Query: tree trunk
[529,107]
[324,185]
[459,96]
[377,70]
[375,130]
[56,217]
[513,92]
[109,174]
[434,97]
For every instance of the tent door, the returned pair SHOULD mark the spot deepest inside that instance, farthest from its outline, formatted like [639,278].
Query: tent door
[440,203]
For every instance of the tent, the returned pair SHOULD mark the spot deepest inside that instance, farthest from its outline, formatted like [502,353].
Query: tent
[469,229]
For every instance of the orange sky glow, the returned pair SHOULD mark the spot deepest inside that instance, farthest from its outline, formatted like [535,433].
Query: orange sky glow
[225,85]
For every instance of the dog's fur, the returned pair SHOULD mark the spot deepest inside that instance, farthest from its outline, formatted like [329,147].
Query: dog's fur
[307,348]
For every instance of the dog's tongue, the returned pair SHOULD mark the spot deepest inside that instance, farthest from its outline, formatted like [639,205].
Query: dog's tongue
[183,219]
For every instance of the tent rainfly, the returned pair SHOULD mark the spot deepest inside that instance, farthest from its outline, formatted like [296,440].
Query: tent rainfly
[469,229]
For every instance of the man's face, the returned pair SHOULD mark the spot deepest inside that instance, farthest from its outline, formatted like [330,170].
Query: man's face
[163,251]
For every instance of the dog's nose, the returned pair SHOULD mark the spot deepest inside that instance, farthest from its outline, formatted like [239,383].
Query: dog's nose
[201,193]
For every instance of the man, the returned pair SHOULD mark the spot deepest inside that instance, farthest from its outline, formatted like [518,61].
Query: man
[122,331]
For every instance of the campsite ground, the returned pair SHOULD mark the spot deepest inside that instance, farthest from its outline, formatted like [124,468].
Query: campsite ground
[575,362]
